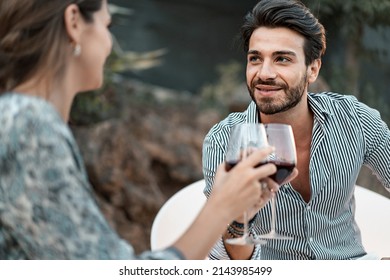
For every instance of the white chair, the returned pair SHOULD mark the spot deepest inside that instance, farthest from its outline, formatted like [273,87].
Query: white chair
[176,215]
[179,211]
[373,217]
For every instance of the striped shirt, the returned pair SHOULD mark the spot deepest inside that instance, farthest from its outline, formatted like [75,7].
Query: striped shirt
[346,135]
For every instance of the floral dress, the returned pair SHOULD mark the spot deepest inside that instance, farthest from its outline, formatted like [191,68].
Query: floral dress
[47,206]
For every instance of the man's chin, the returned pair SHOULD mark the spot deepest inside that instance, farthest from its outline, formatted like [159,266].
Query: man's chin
[266,108]
[269,113]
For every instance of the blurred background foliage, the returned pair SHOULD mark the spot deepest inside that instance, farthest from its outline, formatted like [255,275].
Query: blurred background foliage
[357,60]
[95,106]
[361,28]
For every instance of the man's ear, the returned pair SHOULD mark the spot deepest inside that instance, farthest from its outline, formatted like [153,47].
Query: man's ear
[314,70]
[73,23]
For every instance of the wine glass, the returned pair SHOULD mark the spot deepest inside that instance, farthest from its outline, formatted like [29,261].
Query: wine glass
[244,139]
[281,137]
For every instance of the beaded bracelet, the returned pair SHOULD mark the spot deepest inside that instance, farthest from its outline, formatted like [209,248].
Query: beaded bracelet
[241,225]
[233,232]
[236,229]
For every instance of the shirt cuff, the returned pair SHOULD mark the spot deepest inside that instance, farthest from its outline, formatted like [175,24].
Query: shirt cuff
[218,252]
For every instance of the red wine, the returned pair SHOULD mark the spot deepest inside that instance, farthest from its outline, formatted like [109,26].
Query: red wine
[284,169]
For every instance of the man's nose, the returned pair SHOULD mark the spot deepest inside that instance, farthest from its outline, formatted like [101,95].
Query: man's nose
[266,71]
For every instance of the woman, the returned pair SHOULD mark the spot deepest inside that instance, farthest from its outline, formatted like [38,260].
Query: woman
[49,51]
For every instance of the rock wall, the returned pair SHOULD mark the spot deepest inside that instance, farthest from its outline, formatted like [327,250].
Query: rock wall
[136,162]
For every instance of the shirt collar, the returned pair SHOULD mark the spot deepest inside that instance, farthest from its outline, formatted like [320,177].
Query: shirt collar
[320,111]
[251,113]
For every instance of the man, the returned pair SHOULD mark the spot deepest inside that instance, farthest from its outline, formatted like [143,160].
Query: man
[335,136]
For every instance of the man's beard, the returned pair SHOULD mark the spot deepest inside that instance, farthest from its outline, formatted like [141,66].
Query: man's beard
[292,96]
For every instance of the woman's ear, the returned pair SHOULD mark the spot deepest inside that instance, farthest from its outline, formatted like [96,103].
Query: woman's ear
[73,23]
[314,70]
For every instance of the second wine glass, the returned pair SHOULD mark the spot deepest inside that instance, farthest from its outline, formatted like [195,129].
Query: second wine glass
[281,137]
[244,139]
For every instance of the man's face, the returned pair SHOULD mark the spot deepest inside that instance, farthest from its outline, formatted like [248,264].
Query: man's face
[276,73]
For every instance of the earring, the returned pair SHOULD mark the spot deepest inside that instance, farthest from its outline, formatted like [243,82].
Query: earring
[77,50]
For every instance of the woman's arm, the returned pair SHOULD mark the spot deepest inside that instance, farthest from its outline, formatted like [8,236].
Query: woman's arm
[233,192]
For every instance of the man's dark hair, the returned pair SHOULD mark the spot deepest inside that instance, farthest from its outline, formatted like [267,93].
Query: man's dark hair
[291,14]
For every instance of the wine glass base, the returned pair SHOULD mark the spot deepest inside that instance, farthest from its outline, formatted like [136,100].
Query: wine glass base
[274,235]
[245,240]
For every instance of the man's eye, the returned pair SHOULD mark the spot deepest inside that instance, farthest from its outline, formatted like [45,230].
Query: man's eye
[283,59]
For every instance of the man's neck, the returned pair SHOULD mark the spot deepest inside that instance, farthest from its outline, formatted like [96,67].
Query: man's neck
[300,118]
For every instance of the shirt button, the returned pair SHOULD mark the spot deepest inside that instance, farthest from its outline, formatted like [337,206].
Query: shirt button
[311,239]
[308,207]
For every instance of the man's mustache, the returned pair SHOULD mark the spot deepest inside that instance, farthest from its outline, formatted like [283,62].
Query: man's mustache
[268,83]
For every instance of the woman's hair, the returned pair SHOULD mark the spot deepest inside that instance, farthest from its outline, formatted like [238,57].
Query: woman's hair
[290,14]
[33,38]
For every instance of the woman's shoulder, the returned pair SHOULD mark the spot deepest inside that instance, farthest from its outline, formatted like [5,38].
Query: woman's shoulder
[28,124]
[26,114]
[17,107]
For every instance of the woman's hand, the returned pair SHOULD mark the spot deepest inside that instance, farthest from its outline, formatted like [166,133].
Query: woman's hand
[269,187]
[242,188]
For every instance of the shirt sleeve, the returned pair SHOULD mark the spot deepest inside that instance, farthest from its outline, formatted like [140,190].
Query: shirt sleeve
[212,157]
[47,206]
[377,143]
[218,252]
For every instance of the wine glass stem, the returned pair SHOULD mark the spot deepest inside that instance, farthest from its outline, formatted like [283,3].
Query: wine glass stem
[245,212]
[273,213]
[245,223]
